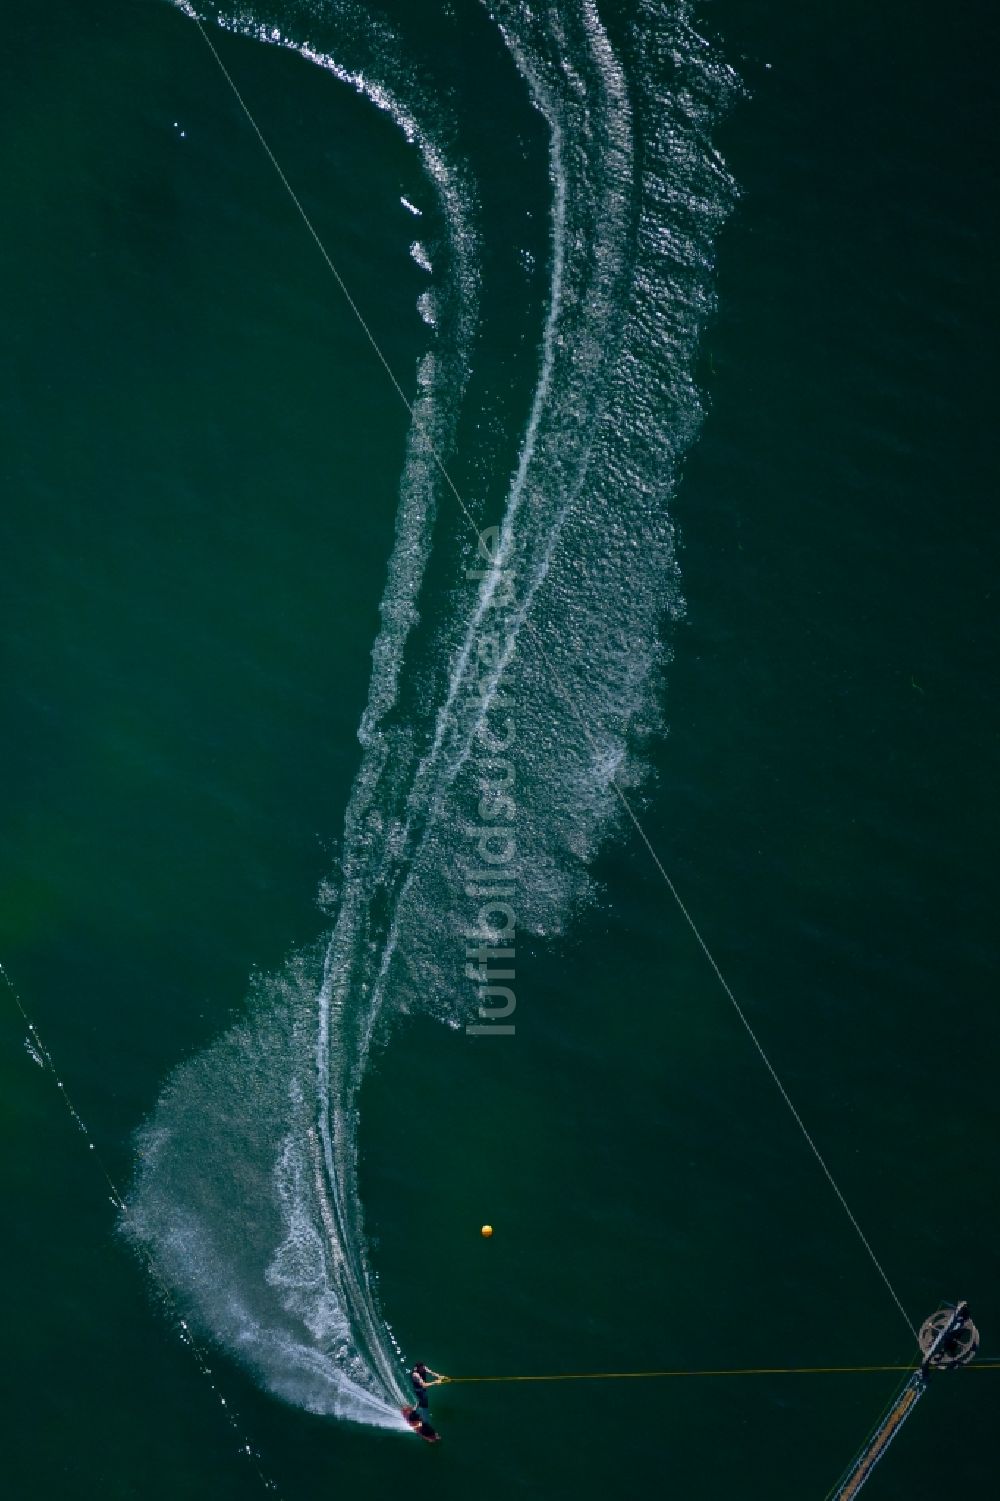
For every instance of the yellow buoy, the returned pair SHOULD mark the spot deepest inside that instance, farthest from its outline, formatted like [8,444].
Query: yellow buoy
[487,1231]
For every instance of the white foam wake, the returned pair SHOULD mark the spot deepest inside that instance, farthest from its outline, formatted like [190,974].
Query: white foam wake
[247,1193]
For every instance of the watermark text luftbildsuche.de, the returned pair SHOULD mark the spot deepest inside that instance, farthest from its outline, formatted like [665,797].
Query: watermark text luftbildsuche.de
[490,874]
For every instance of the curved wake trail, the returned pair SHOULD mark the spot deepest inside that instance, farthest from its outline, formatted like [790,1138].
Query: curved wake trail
[247,1194]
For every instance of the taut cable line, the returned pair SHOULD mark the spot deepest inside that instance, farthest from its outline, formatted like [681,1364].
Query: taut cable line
[948,1327]
[794,1370]
[557,679]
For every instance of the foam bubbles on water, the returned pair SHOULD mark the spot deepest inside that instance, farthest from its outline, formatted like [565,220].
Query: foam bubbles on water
[247,1192]
[427,308]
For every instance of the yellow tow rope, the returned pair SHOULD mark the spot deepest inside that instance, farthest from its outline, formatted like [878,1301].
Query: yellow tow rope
[802,1370]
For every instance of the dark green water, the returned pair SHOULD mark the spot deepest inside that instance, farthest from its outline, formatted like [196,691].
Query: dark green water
[201,466]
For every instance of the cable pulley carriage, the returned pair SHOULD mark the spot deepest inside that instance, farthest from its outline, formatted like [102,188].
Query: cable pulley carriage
[947,1339]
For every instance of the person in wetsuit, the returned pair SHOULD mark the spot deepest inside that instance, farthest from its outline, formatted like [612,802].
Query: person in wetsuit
[421,1377]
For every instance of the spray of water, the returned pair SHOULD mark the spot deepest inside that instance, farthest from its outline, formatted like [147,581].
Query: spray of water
[247,1194]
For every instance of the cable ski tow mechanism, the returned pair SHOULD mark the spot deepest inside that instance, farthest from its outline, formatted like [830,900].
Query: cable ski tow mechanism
[947,1339]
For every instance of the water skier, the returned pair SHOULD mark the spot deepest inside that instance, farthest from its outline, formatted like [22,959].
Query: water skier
[419,1416]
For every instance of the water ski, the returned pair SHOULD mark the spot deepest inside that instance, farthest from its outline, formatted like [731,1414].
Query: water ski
[424,1429]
